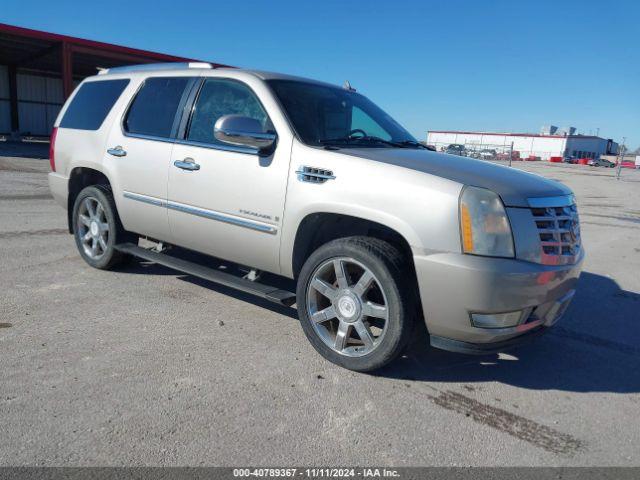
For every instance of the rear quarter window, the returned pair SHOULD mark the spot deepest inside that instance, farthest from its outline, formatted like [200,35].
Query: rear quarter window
[91,105]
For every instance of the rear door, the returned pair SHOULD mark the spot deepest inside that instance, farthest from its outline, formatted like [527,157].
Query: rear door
[139,152]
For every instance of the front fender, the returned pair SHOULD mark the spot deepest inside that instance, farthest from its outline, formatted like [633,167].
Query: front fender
[292,225]
[421,207]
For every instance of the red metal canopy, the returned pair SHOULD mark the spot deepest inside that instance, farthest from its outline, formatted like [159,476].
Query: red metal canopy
[69,56]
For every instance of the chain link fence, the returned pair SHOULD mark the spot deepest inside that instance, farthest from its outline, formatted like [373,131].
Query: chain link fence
[491,151]
[507,153]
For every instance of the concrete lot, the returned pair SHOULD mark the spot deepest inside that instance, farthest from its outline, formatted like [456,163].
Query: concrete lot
[144,366]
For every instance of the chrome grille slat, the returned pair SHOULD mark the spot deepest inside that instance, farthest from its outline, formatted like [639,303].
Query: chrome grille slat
[553,219]
[553,230]
[559,233]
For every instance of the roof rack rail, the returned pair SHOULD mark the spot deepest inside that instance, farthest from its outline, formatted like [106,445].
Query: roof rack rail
[151,67]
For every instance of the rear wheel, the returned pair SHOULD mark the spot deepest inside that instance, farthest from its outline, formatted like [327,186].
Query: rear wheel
[354,304]
[97,228]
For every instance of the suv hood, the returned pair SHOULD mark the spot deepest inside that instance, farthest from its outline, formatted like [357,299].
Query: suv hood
[514,186]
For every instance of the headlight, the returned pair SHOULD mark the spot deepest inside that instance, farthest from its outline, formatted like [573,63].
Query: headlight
[484,226]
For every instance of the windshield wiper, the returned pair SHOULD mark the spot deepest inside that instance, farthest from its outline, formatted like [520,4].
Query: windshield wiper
[369,139]
[330,141]
[374,139]
[412,143]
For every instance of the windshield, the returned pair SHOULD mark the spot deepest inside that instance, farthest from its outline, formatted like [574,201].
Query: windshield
[330,116]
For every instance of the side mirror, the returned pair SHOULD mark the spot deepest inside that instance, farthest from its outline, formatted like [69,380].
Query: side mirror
[243,132]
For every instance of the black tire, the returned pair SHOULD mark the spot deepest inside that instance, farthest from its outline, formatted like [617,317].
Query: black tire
[390,269]
[110,257]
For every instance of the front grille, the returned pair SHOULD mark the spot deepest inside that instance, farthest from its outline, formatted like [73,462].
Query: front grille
[559,231]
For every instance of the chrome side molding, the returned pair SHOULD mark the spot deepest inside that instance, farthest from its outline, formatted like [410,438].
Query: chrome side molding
[158,202]
[221,217]
[204,213]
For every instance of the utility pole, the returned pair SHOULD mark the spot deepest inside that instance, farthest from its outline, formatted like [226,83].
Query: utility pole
[510,153]
[620,157]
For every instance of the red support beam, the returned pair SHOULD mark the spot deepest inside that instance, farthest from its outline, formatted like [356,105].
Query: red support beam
[67,69]
[118,56]
[96,47]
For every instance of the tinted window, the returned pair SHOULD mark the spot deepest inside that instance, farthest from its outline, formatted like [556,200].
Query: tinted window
[220,97]
[92,103]
[323,114]
[153,111]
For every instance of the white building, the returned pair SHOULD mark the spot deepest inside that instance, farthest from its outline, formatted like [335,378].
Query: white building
[527,144]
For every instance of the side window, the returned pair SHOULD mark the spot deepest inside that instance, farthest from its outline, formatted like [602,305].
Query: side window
[153,110]
[92,103]
[220,97]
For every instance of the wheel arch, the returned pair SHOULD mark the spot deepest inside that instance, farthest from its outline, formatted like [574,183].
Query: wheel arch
[317,228]
[79,178]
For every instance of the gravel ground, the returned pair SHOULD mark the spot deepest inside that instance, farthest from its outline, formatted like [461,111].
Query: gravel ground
[144,366]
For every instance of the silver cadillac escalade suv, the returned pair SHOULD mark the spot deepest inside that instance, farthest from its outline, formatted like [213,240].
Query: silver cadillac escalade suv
[306,180]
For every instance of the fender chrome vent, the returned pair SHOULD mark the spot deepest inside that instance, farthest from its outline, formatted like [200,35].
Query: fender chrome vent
[314,175]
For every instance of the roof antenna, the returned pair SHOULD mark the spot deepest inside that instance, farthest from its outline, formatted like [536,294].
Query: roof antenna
[347,86]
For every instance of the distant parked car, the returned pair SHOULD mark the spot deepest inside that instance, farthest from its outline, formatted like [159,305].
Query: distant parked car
[515,155]
[487,154]
[456,149]
[600,162]
[571,160]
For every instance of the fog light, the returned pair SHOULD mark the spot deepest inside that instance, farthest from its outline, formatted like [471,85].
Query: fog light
[497,320]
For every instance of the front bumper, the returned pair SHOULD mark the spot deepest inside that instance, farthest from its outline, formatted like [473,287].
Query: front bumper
[468,348]
[453,286]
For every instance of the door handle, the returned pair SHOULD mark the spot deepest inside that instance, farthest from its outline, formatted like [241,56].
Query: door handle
[187,164]
[117,151]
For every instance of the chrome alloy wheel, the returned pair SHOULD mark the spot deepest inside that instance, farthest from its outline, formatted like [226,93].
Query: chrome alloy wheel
[347,306]
[93,228]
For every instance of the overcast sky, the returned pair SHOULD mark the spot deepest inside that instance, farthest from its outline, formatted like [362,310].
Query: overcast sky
[460,65]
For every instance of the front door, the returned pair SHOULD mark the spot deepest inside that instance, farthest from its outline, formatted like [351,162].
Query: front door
[227,201]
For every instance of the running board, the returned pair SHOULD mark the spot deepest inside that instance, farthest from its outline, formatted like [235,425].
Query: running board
[259,289]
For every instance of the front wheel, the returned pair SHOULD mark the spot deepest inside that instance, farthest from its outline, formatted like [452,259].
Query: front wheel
[355,302]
